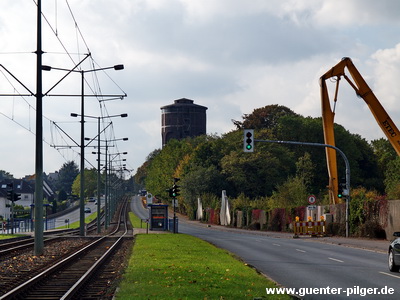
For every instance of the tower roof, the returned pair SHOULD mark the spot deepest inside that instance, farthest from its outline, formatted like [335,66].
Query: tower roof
[182,103]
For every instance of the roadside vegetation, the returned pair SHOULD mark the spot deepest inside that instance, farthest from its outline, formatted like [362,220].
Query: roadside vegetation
[76,224]
[275,176]
[135,220]
[179,266]
[9,236]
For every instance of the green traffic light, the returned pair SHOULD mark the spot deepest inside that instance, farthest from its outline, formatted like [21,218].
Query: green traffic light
[248,147]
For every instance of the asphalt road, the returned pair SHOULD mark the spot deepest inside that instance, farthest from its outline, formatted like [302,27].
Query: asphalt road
[73,216]
[304,264]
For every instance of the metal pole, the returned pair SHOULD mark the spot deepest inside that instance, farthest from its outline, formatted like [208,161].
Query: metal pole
[109,192]
[106,191]
[12,214]
[174,201]
[82,181]
[345,161]
[38,239]
[98,177]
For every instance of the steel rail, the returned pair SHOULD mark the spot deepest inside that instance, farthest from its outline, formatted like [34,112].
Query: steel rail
[31,282]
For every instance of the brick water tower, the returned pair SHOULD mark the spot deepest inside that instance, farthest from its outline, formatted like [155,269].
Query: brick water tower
[182,119]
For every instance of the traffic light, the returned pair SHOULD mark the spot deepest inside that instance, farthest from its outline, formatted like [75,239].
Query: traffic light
[175,191]
[341,190]
[10,191]
[17,197]
[170,193]
[10,195]
[248,140]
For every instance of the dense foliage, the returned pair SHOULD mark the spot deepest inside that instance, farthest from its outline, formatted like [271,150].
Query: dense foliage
[275,175]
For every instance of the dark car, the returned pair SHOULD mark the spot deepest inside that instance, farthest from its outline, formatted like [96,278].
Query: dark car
[394,253]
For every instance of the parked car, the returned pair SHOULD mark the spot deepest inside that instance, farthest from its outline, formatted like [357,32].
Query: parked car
[394,253]
[88,210]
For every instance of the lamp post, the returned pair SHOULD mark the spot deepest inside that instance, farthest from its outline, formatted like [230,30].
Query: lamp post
[108,183]
[106,186]
[98,159]
[82,145]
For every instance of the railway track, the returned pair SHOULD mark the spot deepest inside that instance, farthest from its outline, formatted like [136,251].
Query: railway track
[82,275]
[19,244]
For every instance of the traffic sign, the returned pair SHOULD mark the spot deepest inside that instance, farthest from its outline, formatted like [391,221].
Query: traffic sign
[149,198]
[312,199]
[312,207]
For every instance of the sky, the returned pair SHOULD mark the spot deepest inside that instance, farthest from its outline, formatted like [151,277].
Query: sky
[232,56]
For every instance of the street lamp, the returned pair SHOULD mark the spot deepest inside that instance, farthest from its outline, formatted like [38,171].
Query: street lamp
[98,159]
[106,200]
[82,145]
[108,179]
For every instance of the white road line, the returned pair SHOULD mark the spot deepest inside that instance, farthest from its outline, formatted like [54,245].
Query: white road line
[388,274]
[338,260]
[276,245]
[300,250]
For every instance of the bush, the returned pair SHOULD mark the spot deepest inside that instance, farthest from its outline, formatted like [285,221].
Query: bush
[372,229]
[336,229]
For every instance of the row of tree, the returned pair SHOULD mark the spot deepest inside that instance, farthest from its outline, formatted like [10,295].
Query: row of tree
[275,175]
[66,183]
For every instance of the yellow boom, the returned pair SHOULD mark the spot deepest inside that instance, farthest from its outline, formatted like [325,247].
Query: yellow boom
[362,90]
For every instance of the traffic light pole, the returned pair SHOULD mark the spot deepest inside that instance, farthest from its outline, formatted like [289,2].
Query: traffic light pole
[175,201]
[345,161]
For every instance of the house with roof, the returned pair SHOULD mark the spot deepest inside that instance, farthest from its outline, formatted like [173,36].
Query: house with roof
[27,190]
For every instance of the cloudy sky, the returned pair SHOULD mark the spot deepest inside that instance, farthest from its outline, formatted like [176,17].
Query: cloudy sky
[232,56]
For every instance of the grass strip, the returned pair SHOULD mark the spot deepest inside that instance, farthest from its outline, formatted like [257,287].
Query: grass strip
[179,266]
[76,224]
[9,236]
[136,221]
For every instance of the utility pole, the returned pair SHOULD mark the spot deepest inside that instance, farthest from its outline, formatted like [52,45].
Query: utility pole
[38,240]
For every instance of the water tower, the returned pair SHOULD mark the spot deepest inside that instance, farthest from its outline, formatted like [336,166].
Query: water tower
[182,119]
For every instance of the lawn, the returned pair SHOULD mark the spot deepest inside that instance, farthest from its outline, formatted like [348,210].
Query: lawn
[136,221]
[179,266]
[9,236]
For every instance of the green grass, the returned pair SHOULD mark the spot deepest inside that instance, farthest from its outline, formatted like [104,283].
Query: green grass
[9,236]
[136,221]
[76,224]
[179,266]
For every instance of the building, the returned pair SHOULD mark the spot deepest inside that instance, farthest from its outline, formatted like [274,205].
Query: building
[24,187]
[182,119]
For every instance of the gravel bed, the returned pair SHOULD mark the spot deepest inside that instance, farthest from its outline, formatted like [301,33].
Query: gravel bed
[19,267]
[24,263]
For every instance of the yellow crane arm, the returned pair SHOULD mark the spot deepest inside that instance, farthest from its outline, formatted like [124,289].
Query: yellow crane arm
[362,90]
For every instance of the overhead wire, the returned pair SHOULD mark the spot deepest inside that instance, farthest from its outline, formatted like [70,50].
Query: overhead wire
[95,89]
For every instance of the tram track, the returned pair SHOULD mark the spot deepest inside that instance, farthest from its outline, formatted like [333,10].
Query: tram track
[74,275]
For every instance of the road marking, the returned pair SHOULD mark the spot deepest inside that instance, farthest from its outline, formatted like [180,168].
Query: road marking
[338,260]
[276,245]
[300,250]
[388,274]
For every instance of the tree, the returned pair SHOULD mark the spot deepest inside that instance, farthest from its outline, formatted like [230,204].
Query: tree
[5,175]
[264,117]
[90,187]
[257,174]
[305,169]
[67,175]
[392,179]
[292,193]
